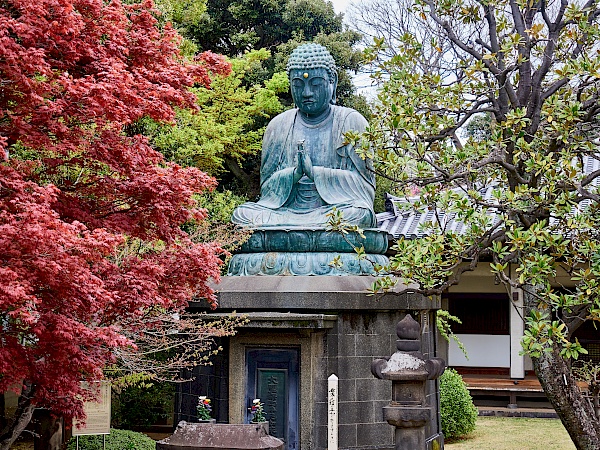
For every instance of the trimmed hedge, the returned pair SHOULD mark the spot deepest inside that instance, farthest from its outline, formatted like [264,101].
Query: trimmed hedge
[458,413]
[116,440]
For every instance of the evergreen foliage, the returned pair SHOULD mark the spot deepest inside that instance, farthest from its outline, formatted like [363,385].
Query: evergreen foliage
[234,27]
[142,406]
[457,411]
[520,193]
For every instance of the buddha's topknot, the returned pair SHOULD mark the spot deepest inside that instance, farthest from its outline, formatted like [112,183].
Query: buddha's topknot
[312,56]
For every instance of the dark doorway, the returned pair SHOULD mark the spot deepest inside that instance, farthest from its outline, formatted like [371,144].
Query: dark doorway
[480,313]
[273,375]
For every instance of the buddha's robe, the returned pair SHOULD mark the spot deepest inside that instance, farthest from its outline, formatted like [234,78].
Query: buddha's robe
[341,179]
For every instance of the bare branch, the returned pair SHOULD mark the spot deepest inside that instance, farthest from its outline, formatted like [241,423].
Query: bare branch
[518,19]
[554,87]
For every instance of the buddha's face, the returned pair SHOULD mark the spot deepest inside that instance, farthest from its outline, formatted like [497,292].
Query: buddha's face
[311,90]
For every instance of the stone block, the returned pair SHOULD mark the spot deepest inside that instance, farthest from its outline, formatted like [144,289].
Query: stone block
[375,435]
[186,388]
[188,405]
[378,406]
[372,389]
[320,373]
[320,437]
[320,410]
[356,412]
[372,345]
[346,436]
[354,367]
[332,345]
[337,293]
[320,391]
[346,345]
[332,365]
[347,390]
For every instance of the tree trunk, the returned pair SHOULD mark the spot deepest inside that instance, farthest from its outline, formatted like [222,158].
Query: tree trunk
[16,424]
[19,425]
[237,171]
[574,410]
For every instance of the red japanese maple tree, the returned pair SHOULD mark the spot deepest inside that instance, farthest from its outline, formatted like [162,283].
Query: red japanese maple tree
[78,188]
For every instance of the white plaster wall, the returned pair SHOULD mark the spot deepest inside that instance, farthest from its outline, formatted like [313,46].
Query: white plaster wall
[481,280]
[484,350]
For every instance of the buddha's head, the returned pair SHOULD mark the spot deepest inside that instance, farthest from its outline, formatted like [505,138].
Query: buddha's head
[313,79]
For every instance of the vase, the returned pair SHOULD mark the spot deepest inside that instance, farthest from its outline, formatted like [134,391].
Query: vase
[264,425]
[209,421]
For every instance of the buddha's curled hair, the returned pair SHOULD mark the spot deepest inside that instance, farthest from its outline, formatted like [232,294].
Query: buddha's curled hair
[312,56]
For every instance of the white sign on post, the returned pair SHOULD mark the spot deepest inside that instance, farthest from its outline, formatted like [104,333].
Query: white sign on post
[332,412]
[97,413]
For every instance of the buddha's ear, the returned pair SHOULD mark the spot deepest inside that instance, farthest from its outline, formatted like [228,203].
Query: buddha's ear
[334,83]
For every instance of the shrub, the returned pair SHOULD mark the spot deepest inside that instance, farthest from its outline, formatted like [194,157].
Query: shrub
[142,406]
[116,440]
[458,413]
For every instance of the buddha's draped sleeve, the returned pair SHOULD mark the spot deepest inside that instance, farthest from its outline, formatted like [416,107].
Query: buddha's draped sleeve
[353,183]
[277,162]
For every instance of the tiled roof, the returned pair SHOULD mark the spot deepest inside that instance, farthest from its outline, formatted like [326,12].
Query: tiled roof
[400,222]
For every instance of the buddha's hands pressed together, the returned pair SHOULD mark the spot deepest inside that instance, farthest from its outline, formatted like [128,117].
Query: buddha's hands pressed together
[303,166]
[307,165]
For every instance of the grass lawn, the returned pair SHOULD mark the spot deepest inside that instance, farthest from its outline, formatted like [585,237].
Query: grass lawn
[507,433]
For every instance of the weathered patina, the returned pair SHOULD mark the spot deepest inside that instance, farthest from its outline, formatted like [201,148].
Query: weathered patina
[308,171]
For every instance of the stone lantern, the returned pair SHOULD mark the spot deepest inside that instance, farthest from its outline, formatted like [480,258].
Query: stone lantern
[409,411]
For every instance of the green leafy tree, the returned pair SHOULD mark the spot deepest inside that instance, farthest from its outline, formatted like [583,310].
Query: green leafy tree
[527,191]
[227,127]
[233,27]
[257,35]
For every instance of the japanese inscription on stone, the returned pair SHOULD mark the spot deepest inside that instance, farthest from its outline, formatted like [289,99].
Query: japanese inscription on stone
[332,412]
[272,391]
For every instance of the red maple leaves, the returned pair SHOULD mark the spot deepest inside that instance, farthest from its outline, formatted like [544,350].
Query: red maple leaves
[90,214]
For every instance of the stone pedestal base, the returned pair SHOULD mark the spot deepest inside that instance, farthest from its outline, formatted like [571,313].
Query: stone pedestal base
[335,327]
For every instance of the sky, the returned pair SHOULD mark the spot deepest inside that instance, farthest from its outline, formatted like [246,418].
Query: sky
[340,5]
[361,81]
